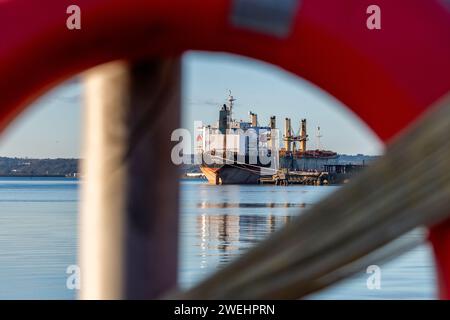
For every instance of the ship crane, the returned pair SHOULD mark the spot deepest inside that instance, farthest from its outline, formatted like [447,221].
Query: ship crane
[231,100]
[293,138]
[290,139]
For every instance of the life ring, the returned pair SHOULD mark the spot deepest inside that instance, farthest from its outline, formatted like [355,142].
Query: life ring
[388,77]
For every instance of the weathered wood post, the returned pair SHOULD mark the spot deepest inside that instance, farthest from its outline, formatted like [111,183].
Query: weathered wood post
[129,202]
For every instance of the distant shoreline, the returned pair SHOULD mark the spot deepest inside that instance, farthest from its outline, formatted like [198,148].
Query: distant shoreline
[69,168]
[26,167]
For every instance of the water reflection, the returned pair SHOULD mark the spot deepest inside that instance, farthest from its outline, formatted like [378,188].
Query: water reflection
[225,235]
[219,223]
[204,205]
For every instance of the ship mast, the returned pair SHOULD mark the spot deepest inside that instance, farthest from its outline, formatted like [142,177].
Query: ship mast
[318,136]
[231,100]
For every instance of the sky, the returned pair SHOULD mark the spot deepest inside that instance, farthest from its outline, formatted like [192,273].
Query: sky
[51,127]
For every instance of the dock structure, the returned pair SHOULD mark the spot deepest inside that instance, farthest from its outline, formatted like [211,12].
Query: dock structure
[342,173]
[283,177]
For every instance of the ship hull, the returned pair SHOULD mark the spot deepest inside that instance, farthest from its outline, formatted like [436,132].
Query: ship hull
[211,174]
[250,174]
[236,174]
[305,164]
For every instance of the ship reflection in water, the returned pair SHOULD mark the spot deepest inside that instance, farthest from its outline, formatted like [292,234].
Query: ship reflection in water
[206,205]
[219,223]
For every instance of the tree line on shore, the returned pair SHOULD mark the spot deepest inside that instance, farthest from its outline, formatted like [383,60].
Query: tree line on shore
[38,167]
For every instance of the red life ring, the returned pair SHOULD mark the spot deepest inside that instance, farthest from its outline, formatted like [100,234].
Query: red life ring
[401,69]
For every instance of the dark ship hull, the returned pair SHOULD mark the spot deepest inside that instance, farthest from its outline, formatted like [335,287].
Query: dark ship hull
[226,174]
[236,172]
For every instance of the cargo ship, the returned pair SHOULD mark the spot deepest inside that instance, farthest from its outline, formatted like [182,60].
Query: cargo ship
[244,152]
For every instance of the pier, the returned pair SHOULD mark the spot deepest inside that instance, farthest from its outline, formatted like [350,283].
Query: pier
[284,177]
[331,174]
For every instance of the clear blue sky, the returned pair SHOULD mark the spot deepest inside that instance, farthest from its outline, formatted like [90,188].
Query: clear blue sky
[51,127]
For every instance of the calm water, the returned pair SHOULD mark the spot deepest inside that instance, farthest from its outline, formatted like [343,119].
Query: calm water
[38,238]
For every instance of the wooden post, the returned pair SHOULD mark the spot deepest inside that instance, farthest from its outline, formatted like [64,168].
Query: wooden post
[129,201]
